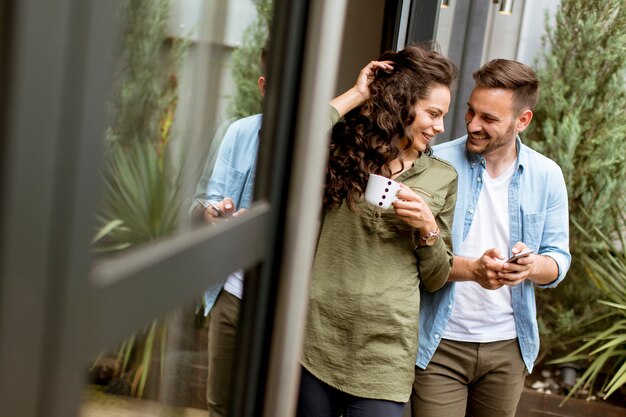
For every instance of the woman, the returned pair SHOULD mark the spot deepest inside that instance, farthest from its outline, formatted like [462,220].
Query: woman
[361,335]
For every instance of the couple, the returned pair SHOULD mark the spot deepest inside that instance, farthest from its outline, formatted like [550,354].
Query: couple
[477,326]
[477,321]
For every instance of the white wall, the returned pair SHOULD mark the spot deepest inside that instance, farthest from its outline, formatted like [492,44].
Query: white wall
[444,26]
[518,35]
[532,28]
[502,32]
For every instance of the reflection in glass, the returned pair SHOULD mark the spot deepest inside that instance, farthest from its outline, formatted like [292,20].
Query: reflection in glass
[225,190]
[179,87]
[226,186]
[141,174]
[180,152]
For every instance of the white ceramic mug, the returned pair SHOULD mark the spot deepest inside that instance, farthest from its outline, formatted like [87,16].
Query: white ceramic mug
[381,191]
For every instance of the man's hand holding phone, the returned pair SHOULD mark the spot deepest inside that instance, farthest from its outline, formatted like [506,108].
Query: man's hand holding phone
[519,255]
[220,210]
[516,269]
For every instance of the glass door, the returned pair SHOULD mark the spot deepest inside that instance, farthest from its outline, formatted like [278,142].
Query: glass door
[118,115]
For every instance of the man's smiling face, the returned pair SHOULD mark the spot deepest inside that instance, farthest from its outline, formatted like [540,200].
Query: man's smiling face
[491,123]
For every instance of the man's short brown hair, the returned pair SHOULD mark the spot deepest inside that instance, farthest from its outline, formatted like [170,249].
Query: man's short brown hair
[511,75]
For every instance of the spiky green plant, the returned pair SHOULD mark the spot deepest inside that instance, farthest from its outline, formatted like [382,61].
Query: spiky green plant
[141,196]
[603,343]
[579,123]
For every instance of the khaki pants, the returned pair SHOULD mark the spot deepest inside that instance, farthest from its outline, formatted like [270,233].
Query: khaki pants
[223,321]
[470,379]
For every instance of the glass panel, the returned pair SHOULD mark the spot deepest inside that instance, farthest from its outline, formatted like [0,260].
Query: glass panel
[180,153]
[185,72]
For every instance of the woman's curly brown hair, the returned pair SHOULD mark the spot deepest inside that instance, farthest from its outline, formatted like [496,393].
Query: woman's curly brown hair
[369,137]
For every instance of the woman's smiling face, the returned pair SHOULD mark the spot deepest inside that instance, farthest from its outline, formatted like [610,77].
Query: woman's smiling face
[429,113]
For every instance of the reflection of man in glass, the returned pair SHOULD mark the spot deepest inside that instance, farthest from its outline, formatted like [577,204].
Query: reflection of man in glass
[229,190]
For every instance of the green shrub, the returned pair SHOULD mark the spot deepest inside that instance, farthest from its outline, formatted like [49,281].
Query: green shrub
[579,122]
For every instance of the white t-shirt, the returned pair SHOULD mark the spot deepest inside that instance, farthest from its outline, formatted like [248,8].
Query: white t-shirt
[481,315]
[234,284]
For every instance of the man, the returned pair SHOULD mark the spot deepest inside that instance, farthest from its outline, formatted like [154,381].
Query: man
[227,193]
[478,334]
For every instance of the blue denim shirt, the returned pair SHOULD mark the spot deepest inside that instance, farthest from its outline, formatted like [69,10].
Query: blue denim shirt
[232,175]
[538,216]
[235,165]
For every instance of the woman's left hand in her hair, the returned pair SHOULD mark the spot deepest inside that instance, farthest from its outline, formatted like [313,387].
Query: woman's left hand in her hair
[363,81]
[412,208]
[360,92]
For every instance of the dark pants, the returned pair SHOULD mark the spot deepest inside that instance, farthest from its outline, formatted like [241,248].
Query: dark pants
[466,379]
[223,321]
[318,399]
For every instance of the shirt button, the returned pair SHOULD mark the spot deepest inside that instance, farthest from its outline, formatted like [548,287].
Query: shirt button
[449,306]
[479,179]
[436,336]
[471,211]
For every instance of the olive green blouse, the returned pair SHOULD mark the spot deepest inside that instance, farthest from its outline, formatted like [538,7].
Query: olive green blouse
[362,324]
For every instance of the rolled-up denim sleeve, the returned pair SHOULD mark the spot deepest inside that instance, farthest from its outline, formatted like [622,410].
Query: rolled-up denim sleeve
[555,236]
[209,165]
